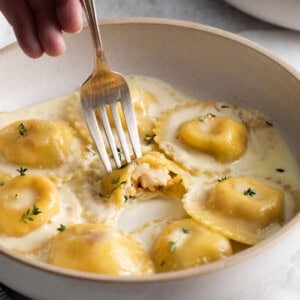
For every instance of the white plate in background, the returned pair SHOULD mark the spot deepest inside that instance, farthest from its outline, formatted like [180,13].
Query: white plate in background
[284,13]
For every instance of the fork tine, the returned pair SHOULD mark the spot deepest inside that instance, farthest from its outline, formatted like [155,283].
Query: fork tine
[109,134]
[92,124]
[130,119]
[120,131]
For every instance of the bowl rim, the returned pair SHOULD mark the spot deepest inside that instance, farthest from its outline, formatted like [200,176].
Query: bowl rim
[224,263]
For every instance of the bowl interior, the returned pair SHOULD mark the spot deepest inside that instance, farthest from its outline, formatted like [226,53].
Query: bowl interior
[198,60]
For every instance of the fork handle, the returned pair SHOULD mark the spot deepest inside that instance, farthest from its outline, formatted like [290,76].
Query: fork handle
[91,15]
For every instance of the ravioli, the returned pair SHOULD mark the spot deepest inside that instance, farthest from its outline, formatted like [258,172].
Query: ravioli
[185,244]
[241,208]
[99,248]
[146,177]
[212,136]
[26,203]
[36,143]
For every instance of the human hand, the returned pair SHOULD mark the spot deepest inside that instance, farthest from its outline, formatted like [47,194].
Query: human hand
[38,24]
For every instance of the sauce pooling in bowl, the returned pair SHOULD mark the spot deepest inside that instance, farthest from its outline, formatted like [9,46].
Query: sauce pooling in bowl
[214,178]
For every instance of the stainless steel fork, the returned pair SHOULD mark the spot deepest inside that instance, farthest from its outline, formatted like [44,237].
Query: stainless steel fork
[101,92]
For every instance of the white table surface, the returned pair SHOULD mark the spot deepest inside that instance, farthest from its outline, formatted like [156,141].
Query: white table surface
[285,282]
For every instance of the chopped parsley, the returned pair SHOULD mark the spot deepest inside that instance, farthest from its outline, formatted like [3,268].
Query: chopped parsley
[280,170]
[222,179]
[149,138]
[249,192]
[201,119]
[15,196]
[224,106]
[172,245]
[61,228]
[126,198]
[186,230]
[101,195]
[269,123]
[91,151]
[162,263]
[22,129]
[211,115]
[21,171]
[119,153]
[117,182]
[30,213]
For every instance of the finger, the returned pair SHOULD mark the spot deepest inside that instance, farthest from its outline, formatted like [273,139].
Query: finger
[69,15]
[49,31]
[20,16]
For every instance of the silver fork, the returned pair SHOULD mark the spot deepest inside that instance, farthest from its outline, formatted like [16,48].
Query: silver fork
[102,89]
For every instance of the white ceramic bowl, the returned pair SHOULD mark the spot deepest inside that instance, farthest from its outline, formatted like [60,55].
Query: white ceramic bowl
[284,13]
[200,61]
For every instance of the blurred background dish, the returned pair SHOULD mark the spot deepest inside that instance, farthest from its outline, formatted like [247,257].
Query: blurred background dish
[283,13]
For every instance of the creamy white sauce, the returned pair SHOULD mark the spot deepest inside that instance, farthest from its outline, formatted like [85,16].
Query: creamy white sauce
[80,201]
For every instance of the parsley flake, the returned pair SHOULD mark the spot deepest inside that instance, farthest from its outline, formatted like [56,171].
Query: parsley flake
[149,138]
[119,153]
[172,245]
[249,192]
[21,171]
[222,179]
[61,228]
[162,263]
[29,214]
[280,170]
[186,230]
[22,129]
[117,182]
[269,123]
[211,115]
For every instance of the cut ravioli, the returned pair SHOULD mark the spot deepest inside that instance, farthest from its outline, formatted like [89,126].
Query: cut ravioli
[36,143]
[146,177]
[99,248]
[243,209]
[26,203]
[211,136]
[186,244]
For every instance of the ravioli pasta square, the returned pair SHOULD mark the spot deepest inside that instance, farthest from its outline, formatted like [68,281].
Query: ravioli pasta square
[214,179]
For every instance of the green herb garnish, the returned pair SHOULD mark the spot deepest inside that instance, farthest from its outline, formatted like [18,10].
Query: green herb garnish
[172,245]
[21,171]
[119,153]
[29,214]
[280,170]
[269,123]
[222,179]
[22,129]
[249,192]
[149,138]
[211,115]
[117,182]
[61,228]
[186,230]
